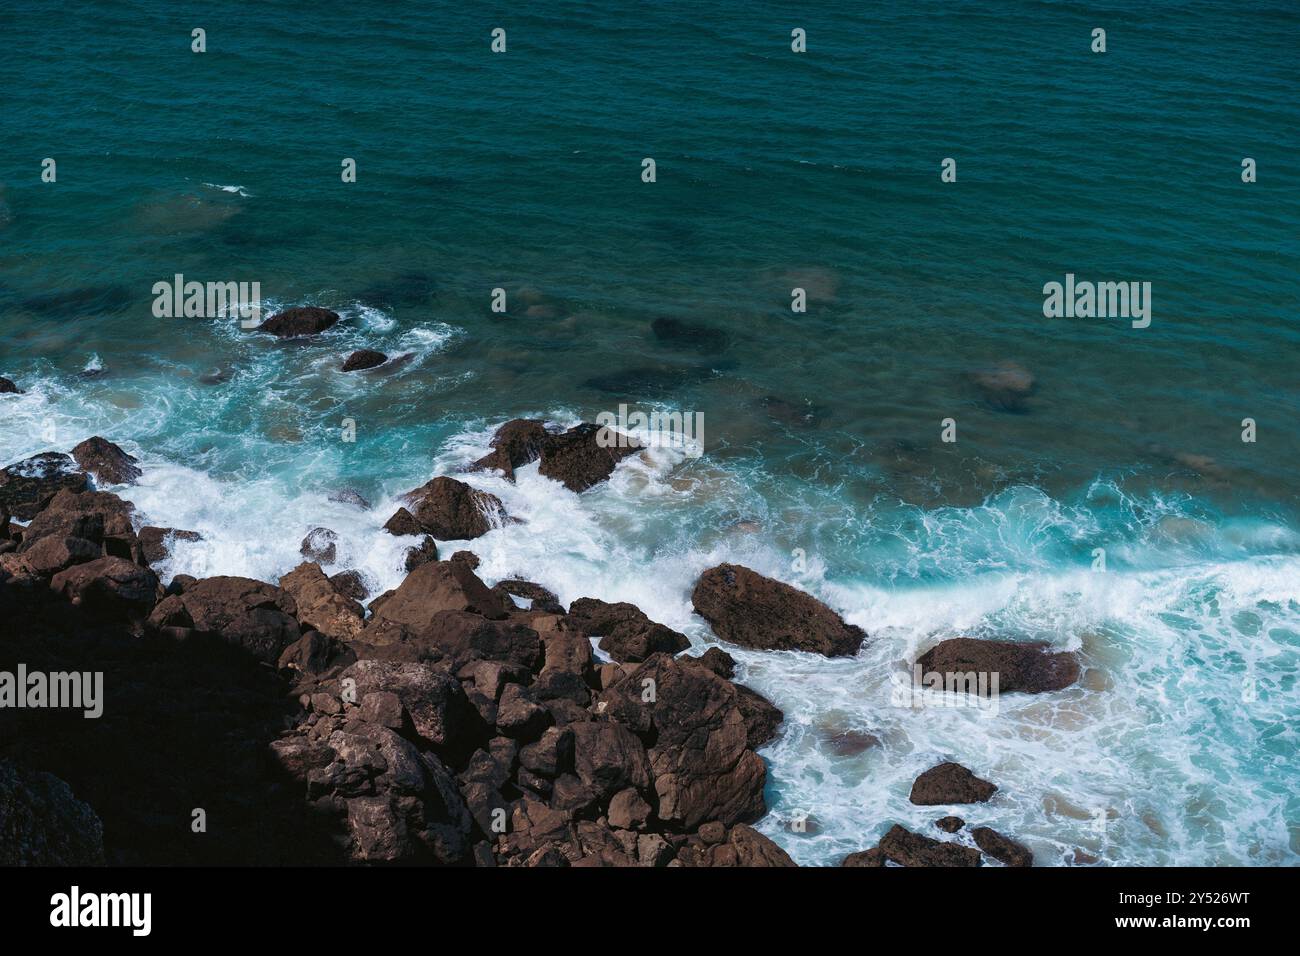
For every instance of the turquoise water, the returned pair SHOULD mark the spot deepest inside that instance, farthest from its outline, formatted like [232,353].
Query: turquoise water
[823,464]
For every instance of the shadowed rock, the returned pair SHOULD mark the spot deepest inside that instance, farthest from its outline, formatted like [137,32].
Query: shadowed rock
[9,388]
[43,824]
[155,543]
[251,614]
[27,486]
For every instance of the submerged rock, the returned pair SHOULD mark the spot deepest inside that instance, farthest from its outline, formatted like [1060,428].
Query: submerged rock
[745,608]
[1006,386]
[321,544]
[9,388]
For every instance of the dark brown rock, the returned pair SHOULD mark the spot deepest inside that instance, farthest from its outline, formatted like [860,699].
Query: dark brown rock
[321,606]
[432,588]
[1002,848]
[906,848]
[100,517]
[743,847]
[950,782]
[251,614]
[301,320]
[155,543]
[702,765]
[9,388]
[28,486]
[351,584]
[52,553]
[745,608]
[577,459]
[451,510]
[950,824]
[626,634]
[107,462]
[109,588]
[1028,667]
[363,359]
[515,444]
[435,701]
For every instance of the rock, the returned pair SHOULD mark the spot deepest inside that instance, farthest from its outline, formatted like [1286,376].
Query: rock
[28,486]
[402,523]
[520,716]
[53,553]
[107,462]
[109,588]
[348,496]
[155,543]
[703,338]
[627,635]
[541,599]
[950,824]
[703,768]
[313,654]
[628,811]
[745,608]
[718,661]
[302,320]
[321,606]
[451,510]
[653,850]
[426,553]
[950,783]
[1005,386]
[551,755]
[469,557]
[608,757]
[576,459]
[1002,848]
[1028,667]
[906,848]
[762,717]
[100,517]
[352,584]
[712,833]
[396,803]
[251,614]
[432,588]
[9,388]
[435,701]
[457,637]
[872,857]
[363,359]
[743,846]
[42,823]
[321,544]
[516,443]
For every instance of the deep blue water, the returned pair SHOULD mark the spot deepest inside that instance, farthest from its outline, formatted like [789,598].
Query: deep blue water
[823,463]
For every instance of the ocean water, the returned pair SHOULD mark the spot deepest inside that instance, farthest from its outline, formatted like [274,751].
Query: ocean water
[822,463]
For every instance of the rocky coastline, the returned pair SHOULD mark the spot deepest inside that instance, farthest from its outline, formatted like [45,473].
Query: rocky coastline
[445,722]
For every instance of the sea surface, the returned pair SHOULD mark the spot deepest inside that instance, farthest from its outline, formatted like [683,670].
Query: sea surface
[823,464]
